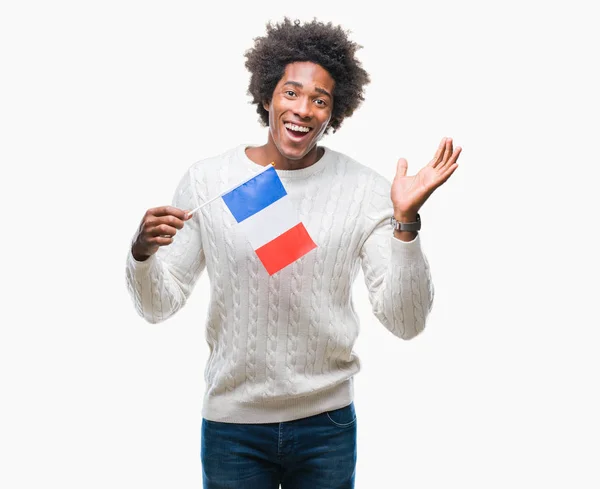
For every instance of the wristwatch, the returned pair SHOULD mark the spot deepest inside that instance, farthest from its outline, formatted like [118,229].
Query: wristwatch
[406,226]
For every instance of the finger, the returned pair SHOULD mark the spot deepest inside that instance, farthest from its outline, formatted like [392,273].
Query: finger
[448,150]
[168,210]
[446,154]
[455,155]
[446,175]
[169,220]
[450,160]
[442,155]
[162,230]
[401,167]
[438,153]
[162,240]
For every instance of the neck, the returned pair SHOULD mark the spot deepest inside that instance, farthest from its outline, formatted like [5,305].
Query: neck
[263,155]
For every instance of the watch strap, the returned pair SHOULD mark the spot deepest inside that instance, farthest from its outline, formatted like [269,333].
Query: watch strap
[406,226]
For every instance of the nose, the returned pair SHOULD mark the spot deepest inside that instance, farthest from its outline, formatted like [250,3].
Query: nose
[303,108]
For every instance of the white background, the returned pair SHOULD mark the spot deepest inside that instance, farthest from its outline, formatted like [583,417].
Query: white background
[104,105]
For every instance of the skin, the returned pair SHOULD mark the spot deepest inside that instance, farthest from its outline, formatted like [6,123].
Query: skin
[409,193]
[157,229]
[305,96]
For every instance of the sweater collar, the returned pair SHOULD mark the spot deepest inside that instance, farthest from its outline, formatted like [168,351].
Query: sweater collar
[319,165]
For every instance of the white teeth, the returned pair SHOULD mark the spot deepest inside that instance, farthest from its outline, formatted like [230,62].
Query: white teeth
[294,127]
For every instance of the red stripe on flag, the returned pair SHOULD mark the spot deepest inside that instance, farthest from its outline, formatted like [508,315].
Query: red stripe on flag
[285,248]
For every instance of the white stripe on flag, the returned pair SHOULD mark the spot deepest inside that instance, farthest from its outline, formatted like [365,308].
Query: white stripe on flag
[272,221]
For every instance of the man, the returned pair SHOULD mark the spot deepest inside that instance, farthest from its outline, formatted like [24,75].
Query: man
[278,406]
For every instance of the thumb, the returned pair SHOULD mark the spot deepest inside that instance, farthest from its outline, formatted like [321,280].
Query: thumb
[401,168]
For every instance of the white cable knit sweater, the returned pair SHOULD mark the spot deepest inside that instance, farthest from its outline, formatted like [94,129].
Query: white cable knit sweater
[281,346]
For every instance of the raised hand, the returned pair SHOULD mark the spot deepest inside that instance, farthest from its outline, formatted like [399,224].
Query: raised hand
[157,228]
[409,193]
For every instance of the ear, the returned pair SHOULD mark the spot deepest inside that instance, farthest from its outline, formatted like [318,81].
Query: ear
[266,105]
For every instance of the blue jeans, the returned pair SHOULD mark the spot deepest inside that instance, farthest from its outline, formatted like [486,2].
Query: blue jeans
[317,452]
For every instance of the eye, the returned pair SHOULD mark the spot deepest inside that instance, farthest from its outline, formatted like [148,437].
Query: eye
[291,93]
[321,102]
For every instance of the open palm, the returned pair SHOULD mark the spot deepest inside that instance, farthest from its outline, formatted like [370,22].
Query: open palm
[409,193]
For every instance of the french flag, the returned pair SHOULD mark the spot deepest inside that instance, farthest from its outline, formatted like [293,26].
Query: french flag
[265,214]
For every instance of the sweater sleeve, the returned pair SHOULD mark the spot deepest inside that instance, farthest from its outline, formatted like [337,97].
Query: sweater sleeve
[396,272]
[160,285]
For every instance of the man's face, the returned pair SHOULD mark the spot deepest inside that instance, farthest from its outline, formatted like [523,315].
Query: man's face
[300,108]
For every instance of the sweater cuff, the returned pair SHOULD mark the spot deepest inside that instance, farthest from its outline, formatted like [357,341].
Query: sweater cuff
[406,252]
[140,266]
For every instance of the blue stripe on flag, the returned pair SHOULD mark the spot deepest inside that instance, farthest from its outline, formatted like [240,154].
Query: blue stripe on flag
[254,195]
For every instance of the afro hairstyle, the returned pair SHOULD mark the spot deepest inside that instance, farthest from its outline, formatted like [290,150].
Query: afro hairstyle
[324,44]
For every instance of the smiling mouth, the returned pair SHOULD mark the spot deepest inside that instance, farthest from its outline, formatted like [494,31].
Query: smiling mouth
[295,131]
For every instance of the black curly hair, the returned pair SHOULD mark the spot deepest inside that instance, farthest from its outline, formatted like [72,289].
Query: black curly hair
[323,44]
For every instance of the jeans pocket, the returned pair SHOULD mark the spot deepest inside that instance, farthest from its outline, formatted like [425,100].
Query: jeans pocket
[342,417]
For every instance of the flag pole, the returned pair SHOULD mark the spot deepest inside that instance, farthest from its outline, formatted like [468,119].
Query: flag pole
[193,211]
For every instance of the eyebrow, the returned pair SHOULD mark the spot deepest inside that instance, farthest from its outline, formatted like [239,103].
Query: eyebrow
[317,89]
